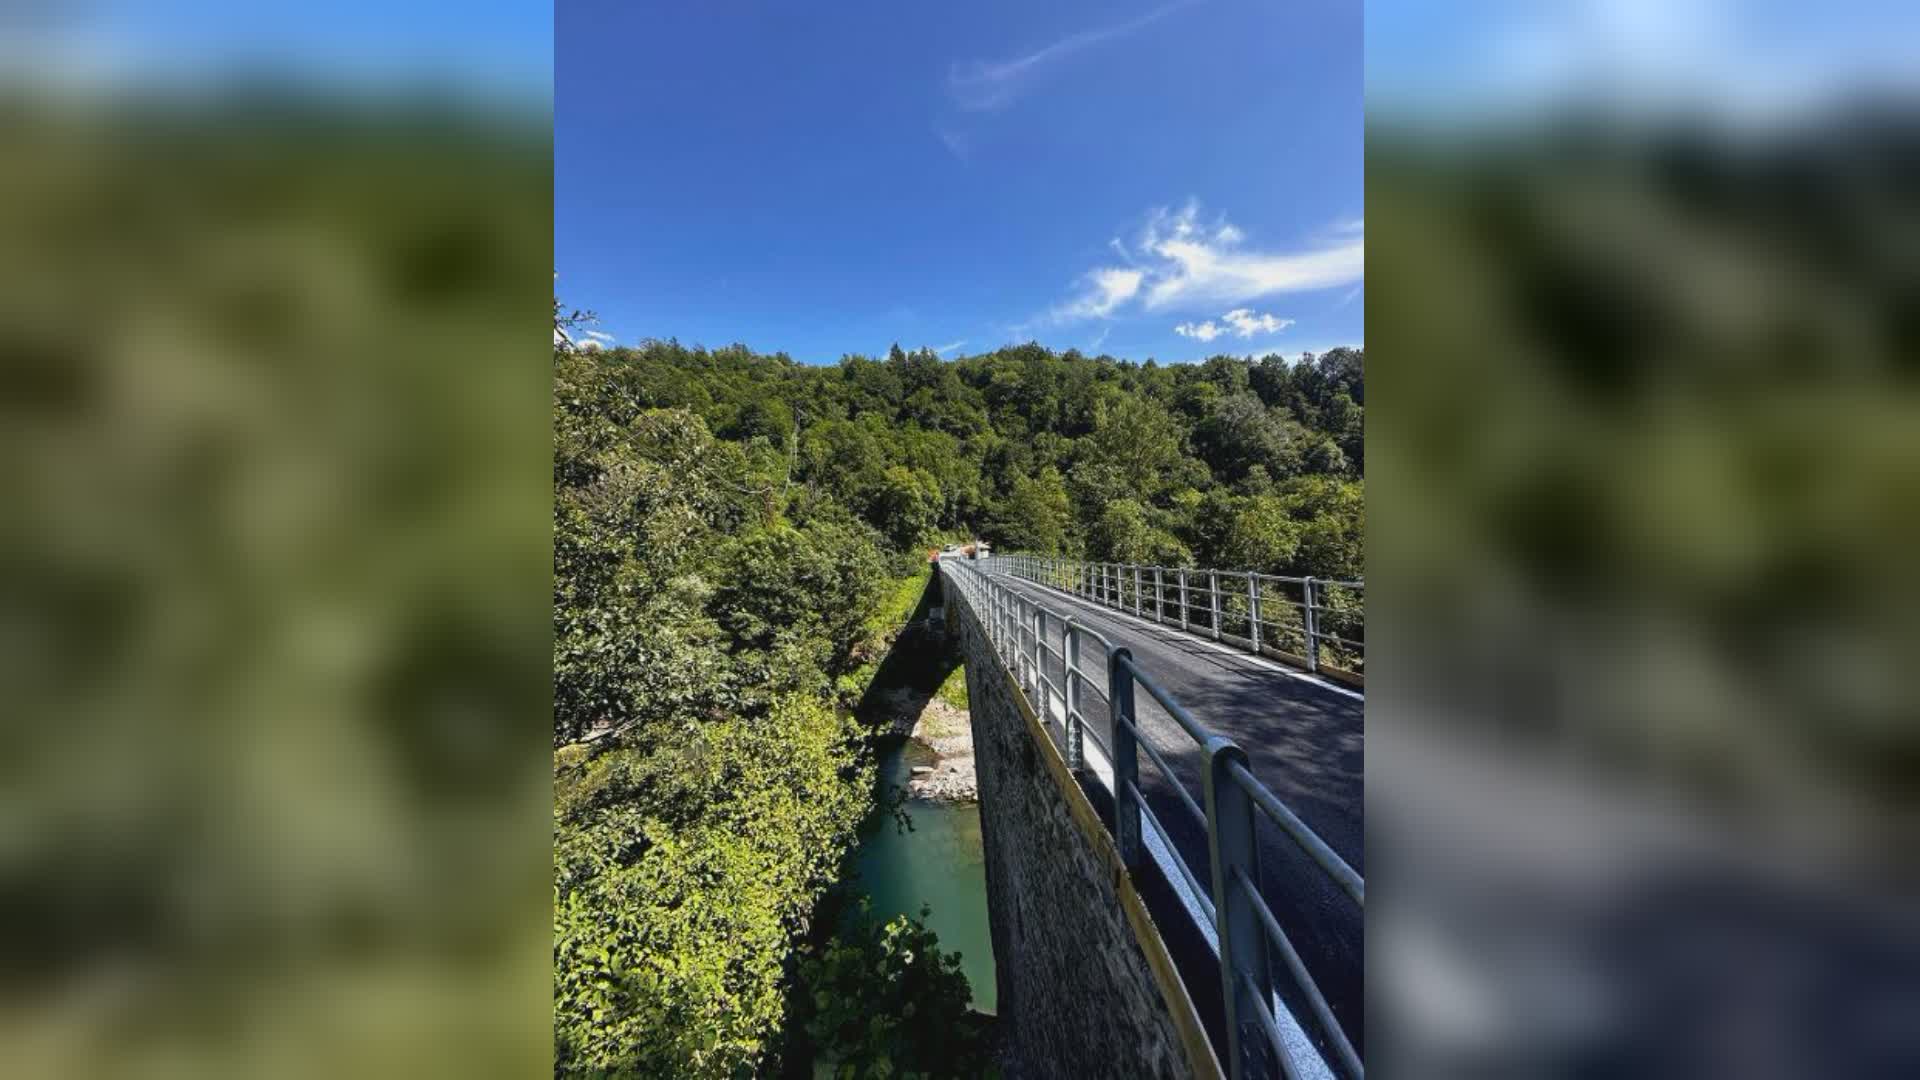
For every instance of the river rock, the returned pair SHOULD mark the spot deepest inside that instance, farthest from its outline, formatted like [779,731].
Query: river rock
[947,732]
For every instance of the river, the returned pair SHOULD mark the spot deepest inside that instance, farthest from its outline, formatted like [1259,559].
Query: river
[938,864]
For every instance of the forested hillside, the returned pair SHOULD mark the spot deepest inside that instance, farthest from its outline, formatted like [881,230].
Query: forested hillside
[1229,463]
[731,534]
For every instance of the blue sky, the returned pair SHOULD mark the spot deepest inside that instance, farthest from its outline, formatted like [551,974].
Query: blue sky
[1165,180]
[1754,63]
[497,50]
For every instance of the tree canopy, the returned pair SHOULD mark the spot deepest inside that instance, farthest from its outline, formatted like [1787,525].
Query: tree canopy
[726,525]
[1043,451]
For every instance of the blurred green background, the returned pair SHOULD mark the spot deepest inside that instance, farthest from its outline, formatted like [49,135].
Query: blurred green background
[1643,761]
[274,602]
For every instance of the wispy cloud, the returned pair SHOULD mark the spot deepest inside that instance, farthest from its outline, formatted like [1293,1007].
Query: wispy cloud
[994,84]
[1201,264]
[1240,322]
[957,143]
[1101,339]
[943,350]
[596,340]
[1182,262]
[1102,292]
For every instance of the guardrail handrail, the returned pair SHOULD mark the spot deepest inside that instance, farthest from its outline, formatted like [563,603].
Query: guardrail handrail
[1321,626]
[1016,625]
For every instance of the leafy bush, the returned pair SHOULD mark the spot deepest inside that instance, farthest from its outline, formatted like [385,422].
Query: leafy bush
[882,1000]
[681,875]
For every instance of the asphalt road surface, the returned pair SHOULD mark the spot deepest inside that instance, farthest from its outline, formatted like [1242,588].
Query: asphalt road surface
[1305,740]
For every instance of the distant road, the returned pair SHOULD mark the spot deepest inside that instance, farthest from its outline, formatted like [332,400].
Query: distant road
[1305,739]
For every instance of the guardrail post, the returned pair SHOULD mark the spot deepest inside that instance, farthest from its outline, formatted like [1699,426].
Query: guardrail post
[1313,626]
[1183,598]
[1213,592]
[1012,644]
[1019,642]
[1136,590]
[1040,662]
[1033,627]
[1070,692]
[1243,942]
[1126,762]
[1159,597]
[1253,610]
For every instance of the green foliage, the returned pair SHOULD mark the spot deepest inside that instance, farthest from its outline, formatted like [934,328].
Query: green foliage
[726,526]
[882,1000]
[954,690]
[1261,533]
[808,589]
[1129,531]
[1036,515]
[1029,448]
[905,503]
[680,875]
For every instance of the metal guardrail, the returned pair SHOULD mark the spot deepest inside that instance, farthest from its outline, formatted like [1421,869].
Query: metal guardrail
[1023,631]
[1319,622]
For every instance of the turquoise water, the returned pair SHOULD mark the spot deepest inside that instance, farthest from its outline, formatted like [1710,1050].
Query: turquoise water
[939,864]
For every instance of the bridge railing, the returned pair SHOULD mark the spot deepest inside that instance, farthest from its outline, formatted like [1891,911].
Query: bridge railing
[1317,623]
[1026,634]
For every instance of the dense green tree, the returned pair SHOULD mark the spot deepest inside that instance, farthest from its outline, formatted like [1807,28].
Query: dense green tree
[724,523]
[1139,441]
[808,588]
[905,503]
[1036,517]
[1129,531]
[1261,535]
[1238,433]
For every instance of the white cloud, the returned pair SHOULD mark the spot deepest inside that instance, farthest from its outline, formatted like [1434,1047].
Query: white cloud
[594,341]
[1248,323]
[990,84]
[943,350]
[1240,322]
[1181,262]
[1102,291]
[1201,264]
